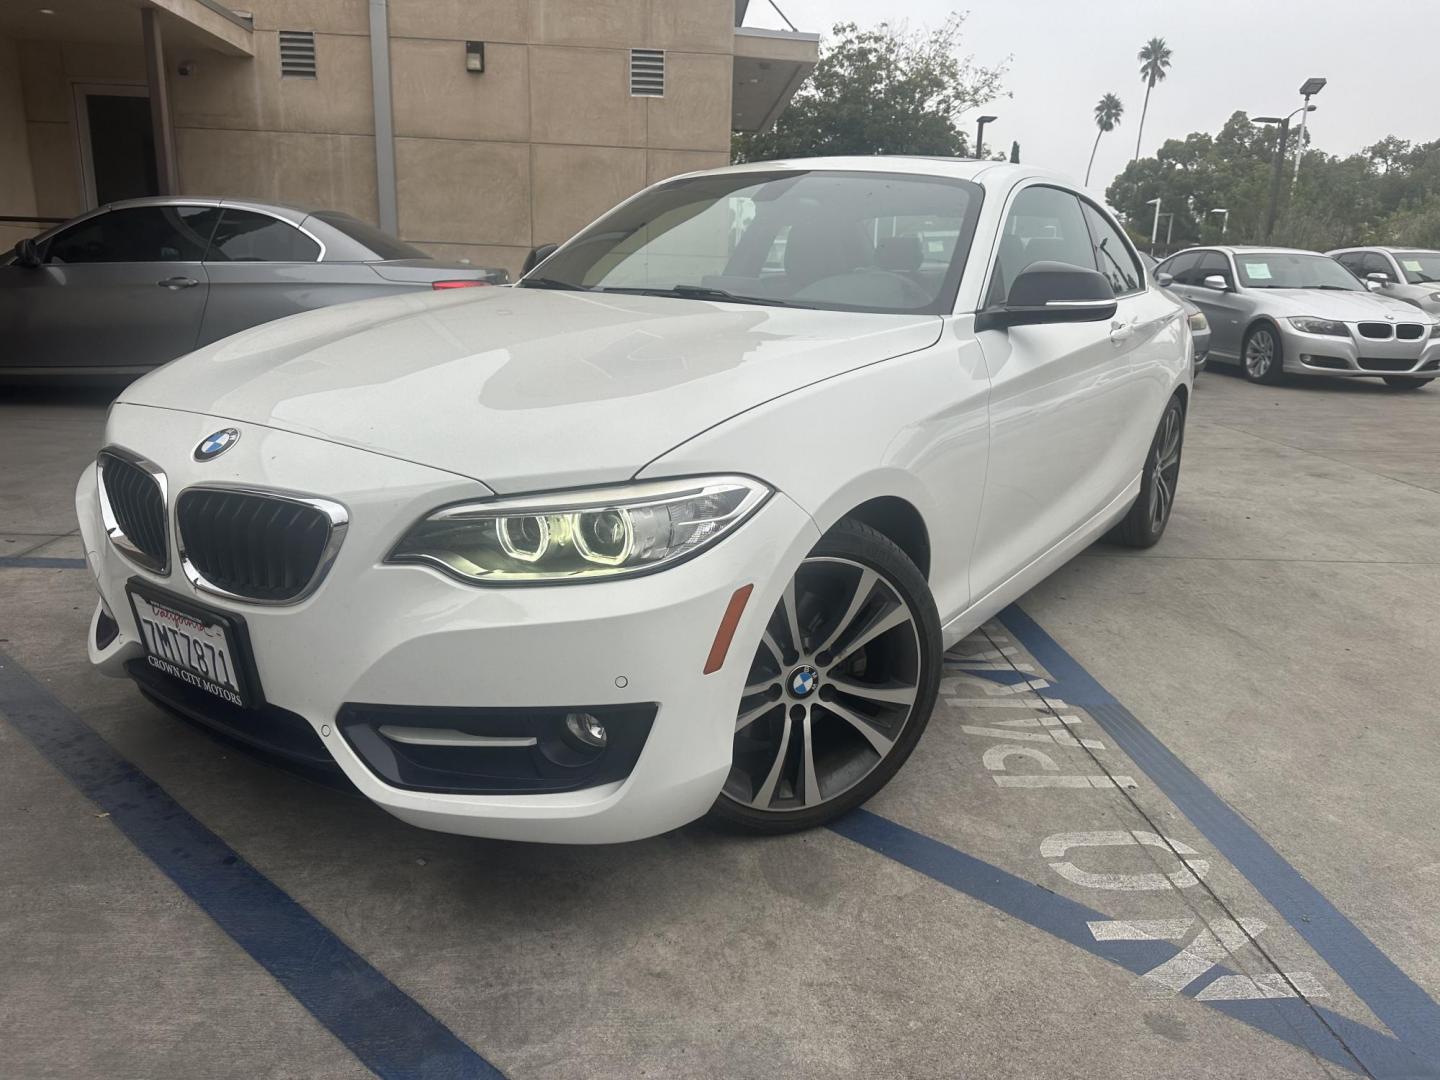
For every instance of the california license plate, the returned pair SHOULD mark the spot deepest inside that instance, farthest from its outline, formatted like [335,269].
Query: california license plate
[192,644]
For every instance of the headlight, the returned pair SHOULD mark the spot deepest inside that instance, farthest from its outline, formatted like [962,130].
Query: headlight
[1435,296]
[1435,330]
[1306,325]
[581,535]
[1198,325]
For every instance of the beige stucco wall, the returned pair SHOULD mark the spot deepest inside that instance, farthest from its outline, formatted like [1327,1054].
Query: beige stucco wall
[17,189]
[539,144]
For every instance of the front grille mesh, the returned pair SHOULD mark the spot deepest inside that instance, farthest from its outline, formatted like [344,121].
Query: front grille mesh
[1409,331]
[1386,363]
[138,506]
[256,546]
[1376,331]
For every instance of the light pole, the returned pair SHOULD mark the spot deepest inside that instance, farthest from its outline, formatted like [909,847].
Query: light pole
[1154,229]
[980,136]
[1273,210]
[1224,220]
[1308,89]
[1169,217]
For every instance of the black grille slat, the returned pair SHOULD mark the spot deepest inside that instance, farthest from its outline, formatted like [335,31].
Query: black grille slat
[138,506]
[1409,331]
[1376,331]
[257,546]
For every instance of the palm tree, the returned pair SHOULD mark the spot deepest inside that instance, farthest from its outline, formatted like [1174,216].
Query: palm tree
[1154,60]
[1107,118]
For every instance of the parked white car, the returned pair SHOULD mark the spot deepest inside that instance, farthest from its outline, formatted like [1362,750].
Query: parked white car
[679,525]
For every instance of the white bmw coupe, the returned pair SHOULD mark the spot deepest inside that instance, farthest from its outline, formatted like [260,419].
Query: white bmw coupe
[681,524]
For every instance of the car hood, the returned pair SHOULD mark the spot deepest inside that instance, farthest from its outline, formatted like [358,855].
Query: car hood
[523,389]
[1341,306]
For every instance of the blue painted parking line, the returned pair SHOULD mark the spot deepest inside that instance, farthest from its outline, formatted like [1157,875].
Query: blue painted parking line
[1404,1007]
[380,1024]
[1323,1032]
[40,562]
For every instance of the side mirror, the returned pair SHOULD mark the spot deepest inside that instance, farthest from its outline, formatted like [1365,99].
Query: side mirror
[537,256]
[1164,280]
[1376,280]
[1052,292]
[1216,282]
[27,254]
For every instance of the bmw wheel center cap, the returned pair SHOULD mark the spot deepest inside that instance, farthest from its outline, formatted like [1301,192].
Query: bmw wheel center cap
[213,445]
[803,681]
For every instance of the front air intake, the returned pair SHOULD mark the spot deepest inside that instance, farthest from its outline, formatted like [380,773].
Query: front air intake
[132,506]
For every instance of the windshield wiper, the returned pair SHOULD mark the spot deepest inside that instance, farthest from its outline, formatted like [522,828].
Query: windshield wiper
[553,283]
[696,292]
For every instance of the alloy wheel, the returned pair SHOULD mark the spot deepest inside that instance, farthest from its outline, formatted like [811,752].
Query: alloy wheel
[1259,354]
[1165,467]
[832,686]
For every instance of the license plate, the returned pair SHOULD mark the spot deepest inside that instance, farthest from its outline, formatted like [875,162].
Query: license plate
[199,647]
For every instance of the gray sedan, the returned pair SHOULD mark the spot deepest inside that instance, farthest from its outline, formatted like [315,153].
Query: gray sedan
[133,284]
[1400,273]
[1275,311]
[1199,326]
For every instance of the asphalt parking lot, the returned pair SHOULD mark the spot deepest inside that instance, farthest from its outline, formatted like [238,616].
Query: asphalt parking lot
[1175,816]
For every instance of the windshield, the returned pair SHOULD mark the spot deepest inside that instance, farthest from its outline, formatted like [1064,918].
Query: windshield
[381,243]
[1419,266]
[1273,270]
[849,241]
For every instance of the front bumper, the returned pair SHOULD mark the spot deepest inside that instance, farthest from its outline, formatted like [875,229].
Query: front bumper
[1328,354]
[408,636]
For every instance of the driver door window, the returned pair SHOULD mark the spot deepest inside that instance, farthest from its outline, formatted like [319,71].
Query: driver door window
[1045,224]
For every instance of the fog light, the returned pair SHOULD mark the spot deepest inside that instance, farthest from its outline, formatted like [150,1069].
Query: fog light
[586,729]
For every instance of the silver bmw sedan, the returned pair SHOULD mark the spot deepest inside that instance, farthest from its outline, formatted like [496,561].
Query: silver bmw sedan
[1277,311]
[134,284]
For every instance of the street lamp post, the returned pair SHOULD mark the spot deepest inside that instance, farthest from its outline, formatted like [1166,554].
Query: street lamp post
[1308,89]
[1154,229]
[1273,210]
[980,135]
[1224,220]
[1169,217]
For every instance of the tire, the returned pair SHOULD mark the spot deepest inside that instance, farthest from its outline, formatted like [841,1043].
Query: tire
[824,724]
[1397,383]
[1145,523]
[1267,366]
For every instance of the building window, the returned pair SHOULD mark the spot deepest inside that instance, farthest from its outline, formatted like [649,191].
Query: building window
[297,54]
[647,72]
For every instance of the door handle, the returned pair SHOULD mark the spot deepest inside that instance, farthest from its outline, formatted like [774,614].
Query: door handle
[173,283]
[1121,332]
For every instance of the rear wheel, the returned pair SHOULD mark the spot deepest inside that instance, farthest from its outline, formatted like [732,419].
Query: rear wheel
[1395,382]
[1143,526]
[1261,355]
[840,688]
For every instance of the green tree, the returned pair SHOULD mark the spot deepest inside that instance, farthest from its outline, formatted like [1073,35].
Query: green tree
[1154,60]
[881,91]
[1107,118]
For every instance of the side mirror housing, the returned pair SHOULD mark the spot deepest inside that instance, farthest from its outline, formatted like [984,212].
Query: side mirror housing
[27,254]
[537,256]
[1164,280]
[1216,282]
[1052,292]
[1376,280]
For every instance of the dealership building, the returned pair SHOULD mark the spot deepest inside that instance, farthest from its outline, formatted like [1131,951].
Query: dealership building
[472,128]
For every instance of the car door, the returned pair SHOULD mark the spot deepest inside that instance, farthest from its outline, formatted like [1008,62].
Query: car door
[1224,309]
[1059,395]
[262,267]
[124,289]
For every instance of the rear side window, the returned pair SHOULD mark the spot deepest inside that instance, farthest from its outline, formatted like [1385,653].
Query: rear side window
[1044,224]
[1112,255]
[136,234]
[245,236]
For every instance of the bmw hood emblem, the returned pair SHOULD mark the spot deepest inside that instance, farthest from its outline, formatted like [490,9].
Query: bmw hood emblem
[803,681]
[215,444]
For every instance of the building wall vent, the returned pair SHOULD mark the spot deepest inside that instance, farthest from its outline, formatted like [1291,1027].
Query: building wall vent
[297,54]
[647,72]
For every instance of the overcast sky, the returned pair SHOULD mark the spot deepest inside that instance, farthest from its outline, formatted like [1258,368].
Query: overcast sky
[1227,55]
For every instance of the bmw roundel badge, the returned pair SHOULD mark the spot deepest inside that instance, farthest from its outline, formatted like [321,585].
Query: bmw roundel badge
[803,681]
[213,445]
